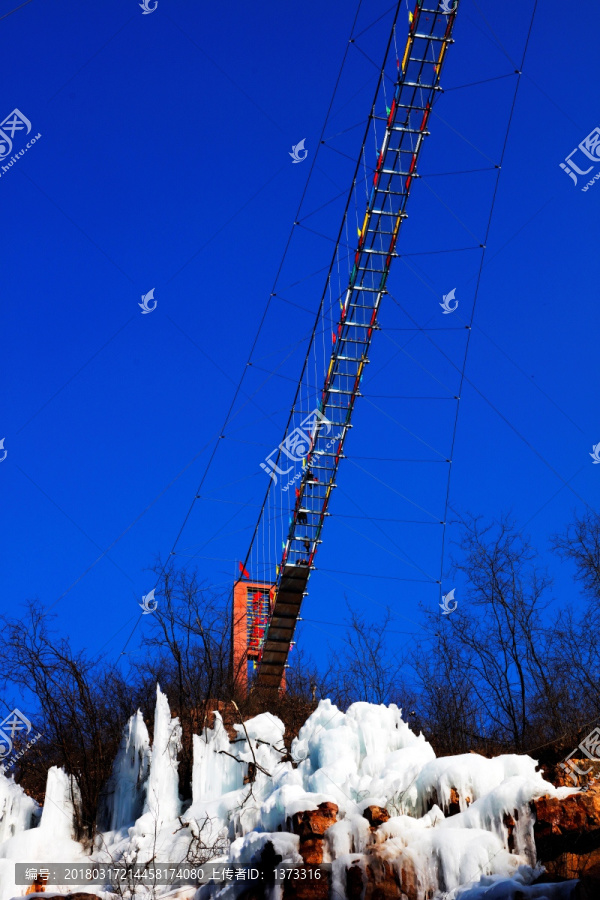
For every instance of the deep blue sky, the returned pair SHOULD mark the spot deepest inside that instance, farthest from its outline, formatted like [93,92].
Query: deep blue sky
[163,163]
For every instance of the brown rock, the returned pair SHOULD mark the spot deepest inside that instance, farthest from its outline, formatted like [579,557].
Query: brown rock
[309,888]
[354,883]
[78,895]
[204,716]
[380,881]
[310,826]
[311,850]
[383,884]
[567,833]
[510,825]
[315,821]
[376,816]
[573,865]
[570,816]
[453,807]
[81,895]
[409,881]
[568,777]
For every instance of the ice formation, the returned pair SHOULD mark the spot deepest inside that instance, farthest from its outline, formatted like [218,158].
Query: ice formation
[53,838]
[214,773]
[127,786]
[17,810]
[244,793]
[162,792]
[60,804]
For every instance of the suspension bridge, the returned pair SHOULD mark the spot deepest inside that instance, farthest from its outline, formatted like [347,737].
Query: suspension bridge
[303,470]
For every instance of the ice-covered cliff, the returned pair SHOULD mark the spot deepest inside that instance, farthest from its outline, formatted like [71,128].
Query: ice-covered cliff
[359,790]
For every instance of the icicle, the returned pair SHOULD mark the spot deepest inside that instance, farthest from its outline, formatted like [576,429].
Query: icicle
[17,810]
[162,798]
[60,803]
[127,783]
[214,773]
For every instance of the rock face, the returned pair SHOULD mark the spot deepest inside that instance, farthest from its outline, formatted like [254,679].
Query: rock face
[205,716]
[310,826]
[510,825]
[381,882]
[376,816]
[307,890]
[453,807]
[567,835]
[574,773]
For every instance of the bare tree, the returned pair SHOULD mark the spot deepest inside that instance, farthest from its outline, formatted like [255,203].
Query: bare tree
[501,644]
[448,710]
[580,544]
[82,706]
[578,634]
[366,667]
